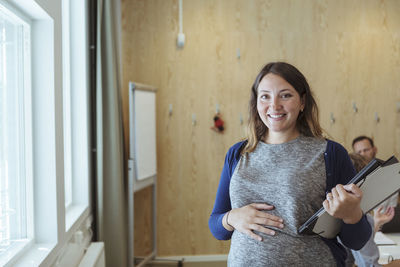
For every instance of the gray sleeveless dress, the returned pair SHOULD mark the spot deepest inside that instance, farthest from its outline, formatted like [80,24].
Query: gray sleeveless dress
[291,177]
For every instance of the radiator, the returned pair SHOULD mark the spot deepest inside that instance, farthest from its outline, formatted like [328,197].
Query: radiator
[94,256]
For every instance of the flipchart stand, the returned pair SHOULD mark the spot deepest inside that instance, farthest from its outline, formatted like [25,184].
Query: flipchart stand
[135,182]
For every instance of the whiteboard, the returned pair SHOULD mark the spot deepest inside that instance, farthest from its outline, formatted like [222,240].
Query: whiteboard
[142,161]
[143,130]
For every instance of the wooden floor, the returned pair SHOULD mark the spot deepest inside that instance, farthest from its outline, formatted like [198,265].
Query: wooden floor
[395,263]
[174,263]
[187,264]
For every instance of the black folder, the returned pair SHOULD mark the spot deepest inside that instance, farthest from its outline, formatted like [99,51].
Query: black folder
[379,180]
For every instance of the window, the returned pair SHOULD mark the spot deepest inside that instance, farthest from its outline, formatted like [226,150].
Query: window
[75,109]
[44,132]
[67,103]
[15,133]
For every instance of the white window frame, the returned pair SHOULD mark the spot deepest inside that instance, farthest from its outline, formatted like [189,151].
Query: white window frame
[56,225]
[77,42]
[25,136]
[66,44]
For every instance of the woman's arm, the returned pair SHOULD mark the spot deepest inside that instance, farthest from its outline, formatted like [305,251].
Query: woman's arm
[222,202]
[355,230]
[344,203]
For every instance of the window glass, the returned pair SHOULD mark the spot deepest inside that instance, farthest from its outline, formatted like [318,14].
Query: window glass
[15,132]
[67,103]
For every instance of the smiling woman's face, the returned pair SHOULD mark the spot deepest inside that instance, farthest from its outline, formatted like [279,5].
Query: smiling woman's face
[278,105]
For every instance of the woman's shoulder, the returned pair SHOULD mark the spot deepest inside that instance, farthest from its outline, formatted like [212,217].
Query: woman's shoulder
[238,145]
[235,150]
[335,147]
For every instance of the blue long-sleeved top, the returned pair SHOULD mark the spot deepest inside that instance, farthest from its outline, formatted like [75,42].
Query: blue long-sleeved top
[339,170]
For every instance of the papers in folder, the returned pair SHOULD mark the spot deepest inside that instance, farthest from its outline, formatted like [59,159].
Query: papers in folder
[378,180]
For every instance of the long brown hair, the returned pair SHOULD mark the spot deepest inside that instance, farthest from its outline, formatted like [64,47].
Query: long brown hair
[307,121]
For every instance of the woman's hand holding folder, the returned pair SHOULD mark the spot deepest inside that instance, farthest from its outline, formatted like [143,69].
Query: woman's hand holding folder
[343,202]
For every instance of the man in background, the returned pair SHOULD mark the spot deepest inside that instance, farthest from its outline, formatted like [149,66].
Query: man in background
[364,146]
[368,256]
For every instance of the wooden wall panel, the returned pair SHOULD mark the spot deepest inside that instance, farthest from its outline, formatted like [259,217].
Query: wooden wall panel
[348,50]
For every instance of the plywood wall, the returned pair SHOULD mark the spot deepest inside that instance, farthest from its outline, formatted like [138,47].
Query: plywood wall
[348,50]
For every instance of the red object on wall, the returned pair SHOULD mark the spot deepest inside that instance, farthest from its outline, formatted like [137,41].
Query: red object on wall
[218,124]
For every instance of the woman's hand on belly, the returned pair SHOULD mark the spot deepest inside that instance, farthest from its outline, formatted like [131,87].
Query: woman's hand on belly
[254,218]
[344,203]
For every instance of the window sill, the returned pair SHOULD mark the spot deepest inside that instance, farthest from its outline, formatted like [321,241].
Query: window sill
[46,254]
[73,214]
[34,256]
[17,248]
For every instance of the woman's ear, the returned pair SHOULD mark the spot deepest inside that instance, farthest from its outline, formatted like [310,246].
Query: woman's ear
[303,102]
